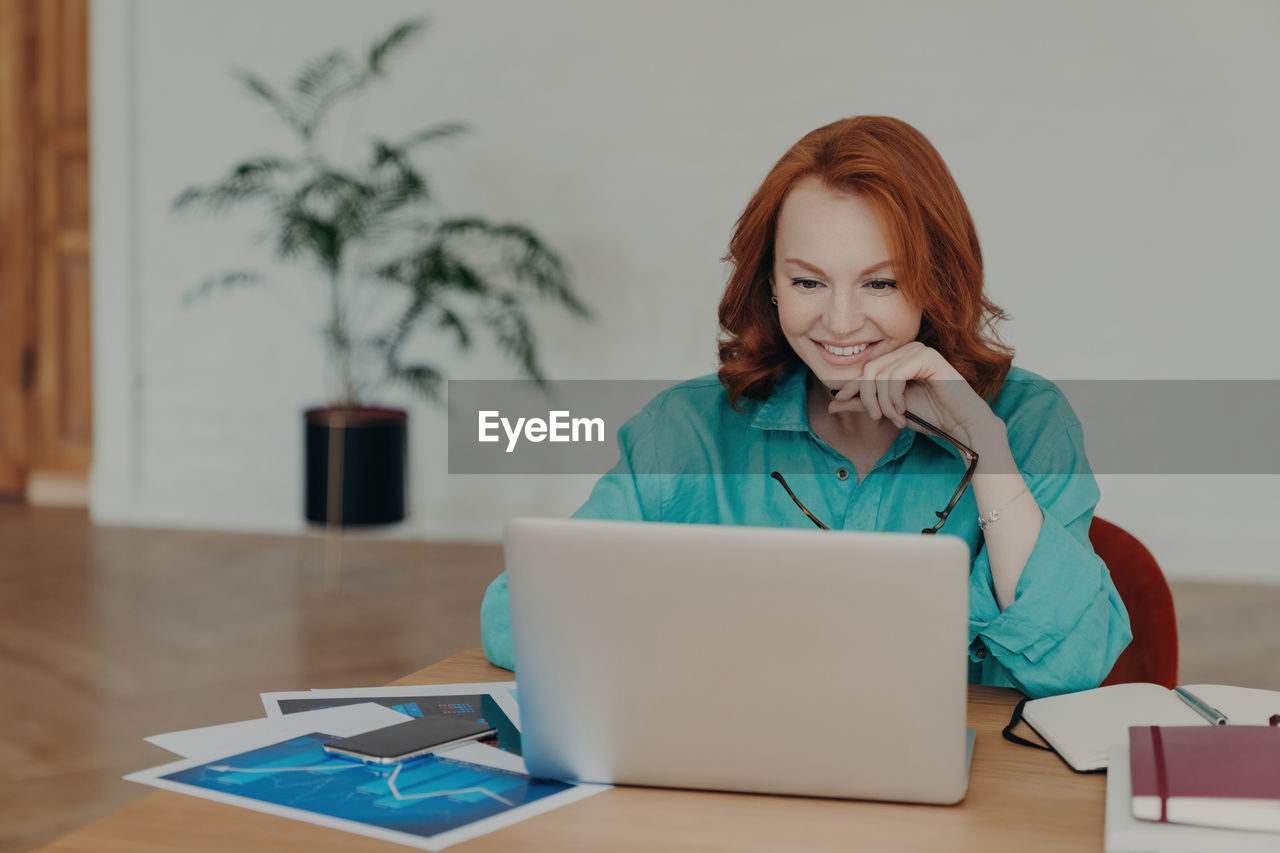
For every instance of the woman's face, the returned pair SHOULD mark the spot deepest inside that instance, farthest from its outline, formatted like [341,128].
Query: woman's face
[838,302]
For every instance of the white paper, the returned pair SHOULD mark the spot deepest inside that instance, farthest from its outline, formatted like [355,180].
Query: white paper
[1126,834]
[501,691]
[1080,726]
[417,689]
[1242,706]
[213,741]
[471,753]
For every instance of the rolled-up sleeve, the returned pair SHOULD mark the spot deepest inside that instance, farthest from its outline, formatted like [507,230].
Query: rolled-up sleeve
[495,624]
[622,494]
[632,489]
[1066,626]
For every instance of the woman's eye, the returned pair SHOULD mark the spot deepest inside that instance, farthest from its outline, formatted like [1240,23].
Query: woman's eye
[806,283]
[880,285]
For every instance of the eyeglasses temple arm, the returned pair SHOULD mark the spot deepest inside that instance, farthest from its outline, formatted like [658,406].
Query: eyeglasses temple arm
[775,475]
[970,457]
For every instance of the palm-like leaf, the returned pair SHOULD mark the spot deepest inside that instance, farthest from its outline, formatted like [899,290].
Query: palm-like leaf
[322,213]
[449,319]
[436,268]
[340,198]
[343,80]
[423,378]
[259,87]
[316,77]
[302,233]
[249,180]
[397,182]
[515,335]
[431,134]
[538,266]
[428,274]
[220,282]
[529,259]
[398,37]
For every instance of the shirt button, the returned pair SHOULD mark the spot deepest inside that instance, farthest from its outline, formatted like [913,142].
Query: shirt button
[843,473]
[981,653]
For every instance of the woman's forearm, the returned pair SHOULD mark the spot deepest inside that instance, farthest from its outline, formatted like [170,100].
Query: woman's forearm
[998,486]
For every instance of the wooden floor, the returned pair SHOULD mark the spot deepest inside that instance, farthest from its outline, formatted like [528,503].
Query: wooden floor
[108,635]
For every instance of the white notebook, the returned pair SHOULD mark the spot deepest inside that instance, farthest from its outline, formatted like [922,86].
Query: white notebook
[1083,726]
[1124,833]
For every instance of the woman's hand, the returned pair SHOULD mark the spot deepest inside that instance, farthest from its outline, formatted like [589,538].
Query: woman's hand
[918,379]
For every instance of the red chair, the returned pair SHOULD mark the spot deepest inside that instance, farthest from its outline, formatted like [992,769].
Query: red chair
[1153,654]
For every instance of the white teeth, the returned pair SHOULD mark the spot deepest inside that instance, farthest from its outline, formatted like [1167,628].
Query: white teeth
[846,350]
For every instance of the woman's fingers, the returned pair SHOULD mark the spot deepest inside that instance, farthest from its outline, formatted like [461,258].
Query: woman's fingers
[882,389]
[869,394]
[888,386]
[912,378]
[846,399]
[884,377]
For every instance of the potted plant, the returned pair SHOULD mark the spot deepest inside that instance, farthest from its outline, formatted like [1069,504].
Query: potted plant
[371,231]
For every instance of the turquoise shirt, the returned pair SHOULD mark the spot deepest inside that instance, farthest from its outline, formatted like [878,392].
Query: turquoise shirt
[688,457]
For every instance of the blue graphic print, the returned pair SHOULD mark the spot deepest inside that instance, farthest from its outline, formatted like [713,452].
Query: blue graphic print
[423,797]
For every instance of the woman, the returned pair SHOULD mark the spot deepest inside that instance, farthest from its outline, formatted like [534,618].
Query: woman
[858,362]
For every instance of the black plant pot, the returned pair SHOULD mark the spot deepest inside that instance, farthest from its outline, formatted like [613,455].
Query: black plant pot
[356,463]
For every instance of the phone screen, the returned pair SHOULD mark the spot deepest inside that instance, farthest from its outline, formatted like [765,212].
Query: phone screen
[408,740]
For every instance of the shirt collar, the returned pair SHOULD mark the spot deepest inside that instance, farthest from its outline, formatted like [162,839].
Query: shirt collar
[788,409]
[788,406]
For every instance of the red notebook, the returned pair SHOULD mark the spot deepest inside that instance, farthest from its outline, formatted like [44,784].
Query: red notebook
[1227,776]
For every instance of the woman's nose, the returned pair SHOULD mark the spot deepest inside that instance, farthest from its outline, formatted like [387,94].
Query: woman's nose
[844,313]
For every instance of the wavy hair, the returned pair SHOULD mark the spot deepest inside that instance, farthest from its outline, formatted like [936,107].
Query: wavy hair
[928,230]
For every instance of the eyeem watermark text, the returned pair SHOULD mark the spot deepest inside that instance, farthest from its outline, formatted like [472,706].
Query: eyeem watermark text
[559,426]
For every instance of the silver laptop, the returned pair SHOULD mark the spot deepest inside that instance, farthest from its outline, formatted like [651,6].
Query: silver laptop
[826,664]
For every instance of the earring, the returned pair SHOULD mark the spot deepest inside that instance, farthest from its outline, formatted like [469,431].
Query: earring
[773,299]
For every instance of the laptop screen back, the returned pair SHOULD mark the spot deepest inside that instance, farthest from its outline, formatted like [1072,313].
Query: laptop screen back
[744,659]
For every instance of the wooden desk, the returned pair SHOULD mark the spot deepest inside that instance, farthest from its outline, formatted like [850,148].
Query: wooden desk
[1019,800]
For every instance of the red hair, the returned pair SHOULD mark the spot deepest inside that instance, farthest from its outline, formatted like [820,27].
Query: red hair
[928,230]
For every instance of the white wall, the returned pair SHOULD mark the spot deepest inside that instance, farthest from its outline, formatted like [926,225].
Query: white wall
[1119,159]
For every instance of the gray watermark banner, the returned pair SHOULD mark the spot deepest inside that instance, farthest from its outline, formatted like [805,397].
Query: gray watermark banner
[1130,426]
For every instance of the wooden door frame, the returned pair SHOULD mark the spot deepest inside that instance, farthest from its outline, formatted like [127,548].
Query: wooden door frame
[46,394]
[17,240]
[63,394]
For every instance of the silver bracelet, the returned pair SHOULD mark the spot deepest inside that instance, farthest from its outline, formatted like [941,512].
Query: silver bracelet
[985,520]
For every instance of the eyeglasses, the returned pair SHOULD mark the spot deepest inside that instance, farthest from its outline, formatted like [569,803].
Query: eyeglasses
[970,457]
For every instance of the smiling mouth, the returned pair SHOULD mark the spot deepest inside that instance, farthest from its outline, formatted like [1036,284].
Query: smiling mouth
[852,350]
[845,352]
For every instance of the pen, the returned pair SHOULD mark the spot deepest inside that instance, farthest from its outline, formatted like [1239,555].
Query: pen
[1210,713]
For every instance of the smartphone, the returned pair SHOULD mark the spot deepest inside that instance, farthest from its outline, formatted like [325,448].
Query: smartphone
[408,740]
